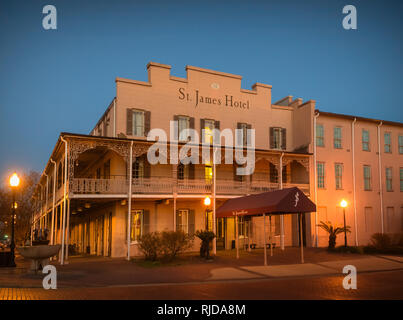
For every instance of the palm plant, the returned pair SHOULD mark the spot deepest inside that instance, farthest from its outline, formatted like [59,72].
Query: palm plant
[333,232]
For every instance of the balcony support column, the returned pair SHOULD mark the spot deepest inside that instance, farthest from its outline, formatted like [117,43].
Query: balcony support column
[52,228]
[282,216]
[129,201]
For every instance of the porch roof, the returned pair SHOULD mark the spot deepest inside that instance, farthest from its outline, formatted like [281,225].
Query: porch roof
[284,201]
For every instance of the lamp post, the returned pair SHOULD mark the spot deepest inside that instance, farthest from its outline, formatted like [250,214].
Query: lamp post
[343,204]
[14,183]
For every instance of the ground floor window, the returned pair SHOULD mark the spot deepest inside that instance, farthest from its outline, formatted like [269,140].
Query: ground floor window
[137,225]
[182,220]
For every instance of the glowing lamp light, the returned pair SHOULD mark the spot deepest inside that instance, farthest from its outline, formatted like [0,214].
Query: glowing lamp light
[14,180]
[343,203]
[207,201]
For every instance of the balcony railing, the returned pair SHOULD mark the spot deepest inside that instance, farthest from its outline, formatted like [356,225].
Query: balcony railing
[167,185]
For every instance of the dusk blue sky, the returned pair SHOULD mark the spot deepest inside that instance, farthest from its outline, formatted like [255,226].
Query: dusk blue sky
[63,80]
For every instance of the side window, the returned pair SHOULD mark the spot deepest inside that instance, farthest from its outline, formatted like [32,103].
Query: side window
[365,140]
[337,138]
[320,139]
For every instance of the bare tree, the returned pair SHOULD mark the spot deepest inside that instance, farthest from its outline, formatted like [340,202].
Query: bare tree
[24,210]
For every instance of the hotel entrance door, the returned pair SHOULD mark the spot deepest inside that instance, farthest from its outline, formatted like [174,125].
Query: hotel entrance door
[221,227]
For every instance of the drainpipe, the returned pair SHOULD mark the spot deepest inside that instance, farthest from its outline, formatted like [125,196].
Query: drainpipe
[64,201]
[354,196]
[380,174]
[315,174]
[46,201]
[129,203]
[53,204]
[282,216]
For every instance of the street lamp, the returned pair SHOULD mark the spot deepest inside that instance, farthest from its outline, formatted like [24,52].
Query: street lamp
[207,201]
[14,183]
[343,204]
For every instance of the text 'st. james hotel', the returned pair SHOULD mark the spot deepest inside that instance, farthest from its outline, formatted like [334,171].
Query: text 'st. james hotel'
[90,179]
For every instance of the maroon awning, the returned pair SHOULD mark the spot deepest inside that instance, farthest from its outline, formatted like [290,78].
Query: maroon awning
[289,200]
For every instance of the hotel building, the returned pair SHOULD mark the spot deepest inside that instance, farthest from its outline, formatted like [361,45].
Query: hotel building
[101,189]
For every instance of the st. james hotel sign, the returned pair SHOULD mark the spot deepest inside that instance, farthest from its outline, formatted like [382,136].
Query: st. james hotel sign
[225,100]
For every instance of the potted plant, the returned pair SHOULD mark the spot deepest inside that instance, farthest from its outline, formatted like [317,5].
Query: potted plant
[206,237]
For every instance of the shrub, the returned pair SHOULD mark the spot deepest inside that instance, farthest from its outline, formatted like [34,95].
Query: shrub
[333,232]
[150,245]
[381,241]
[205,237]
[174,242]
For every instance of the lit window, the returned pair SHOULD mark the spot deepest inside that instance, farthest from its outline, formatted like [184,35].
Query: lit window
[321,175]
[137,225]
[208,131]
[338,168]
[208,173]
[138,123]
[365,140]
[367,178]
[320,141]
[182,219]
[337,138]
[388,144]
[209,220]
[388,176]
[183,125]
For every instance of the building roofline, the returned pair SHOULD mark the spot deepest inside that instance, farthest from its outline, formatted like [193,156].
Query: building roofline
[350,117]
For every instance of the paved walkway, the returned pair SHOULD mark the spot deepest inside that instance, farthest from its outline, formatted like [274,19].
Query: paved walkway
[90,272]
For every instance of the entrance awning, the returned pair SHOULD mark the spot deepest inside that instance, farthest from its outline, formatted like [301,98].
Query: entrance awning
[279,202]
[285,201]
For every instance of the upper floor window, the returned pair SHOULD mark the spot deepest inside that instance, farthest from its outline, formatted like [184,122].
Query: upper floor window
[138,168]
[387,142]
[388,176]
[367,178]
[338,168]
[321,174]
[207,126]
[401,144]
[320,135]
[244,137]
[183,125]
[59,176]
[278,138]
[365,140]
[337,138]
[401,179]
[208,174]
[138,122]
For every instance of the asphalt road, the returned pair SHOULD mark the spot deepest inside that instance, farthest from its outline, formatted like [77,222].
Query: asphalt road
[371,285]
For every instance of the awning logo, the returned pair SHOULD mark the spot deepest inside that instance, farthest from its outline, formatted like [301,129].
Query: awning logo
[296,199]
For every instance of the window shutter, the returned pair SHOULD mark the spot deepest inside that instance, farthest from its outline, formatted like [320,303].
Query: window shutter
[176,118]
[191,123]
[248,134]
[191,171]
[146,221]
[239,126]
[177,220]
[201,130]
[147,167]
[217,136]
[147,122]
[283,138]
[129,122]
[271,137]
[191,222]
